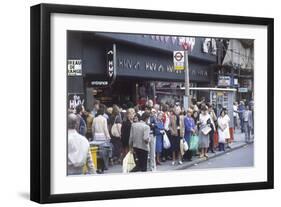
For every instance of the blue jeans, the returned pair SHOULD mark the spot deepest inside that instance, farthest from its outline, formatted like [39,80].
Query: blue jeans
[247,130]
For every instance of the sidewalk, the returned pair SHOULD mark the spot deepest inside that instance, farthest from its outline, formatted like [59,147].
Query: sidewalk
[238,142]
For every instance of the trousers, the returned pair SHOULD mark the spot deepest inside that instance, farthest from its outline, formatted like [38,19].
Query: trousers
[247,130]
[141,160]
[152,147]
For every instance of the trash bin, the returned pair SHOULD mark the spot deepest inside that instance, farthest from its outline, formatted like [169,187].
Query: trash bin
[101,152]
[94,150]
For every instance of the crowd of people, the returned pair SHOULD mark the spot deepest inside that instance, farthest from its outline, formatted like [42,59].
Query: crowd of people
[141,130]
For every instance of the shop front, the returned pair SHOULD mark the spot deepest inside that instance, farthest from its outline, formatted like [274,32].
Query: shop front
[116,71]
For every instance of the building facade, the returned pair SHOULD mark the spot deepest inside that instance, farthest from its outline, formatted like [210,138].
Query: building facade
[132,68]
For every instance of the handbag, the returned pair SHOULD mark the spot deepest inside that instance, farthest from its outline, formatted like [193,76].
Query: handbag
[128,162]
[166,141]
[115,129]
[193,143]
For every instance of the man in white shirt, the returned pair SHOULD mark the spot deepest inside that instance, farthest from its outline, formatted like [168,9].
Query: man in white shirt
[79,153]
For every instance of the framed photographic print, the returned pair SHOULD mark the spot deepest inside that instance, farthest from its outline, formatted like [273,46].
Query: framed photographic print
[134,103]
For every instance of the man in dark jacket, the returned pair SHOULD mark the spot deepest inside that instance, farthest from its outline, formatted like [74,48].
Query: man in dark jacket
[81,126]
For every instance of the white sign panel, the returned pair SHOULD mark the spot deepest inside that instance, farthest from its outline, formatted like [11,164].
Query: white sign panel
[178,60]
[243,90]
[224,81]
[74,67]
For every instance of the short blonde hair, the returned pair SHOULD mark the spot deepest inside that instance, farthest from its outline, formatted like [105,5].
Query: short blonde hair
[189,110]
[131,111]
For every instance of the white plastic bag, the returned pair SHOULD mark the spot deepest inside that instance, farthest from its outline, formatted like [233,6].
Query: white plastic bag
[166,141]
[128,162]
[183,146]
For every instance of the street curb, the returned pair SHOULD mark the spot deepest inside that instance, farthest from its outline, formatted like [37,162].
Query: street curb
[217,154]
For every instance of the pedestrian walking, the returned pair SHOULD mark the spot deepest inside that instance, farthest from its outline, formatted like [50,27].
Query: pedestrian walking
[241,108]
[89,122]
[101,136]
[115,132]
[81,124]
[248,123]
[125,131]
[79,153]
[96,106]
[138,142]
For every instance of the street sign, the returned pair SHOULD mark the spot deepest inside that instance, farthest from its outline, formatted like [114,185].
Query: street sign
[243,90]
[178,60]
[110,63]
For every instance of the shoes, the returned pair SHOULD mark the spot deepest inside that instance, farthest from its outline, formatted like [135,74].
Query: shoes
[158,163]
[180,162]
[201,156]
[173,163]
[206,155]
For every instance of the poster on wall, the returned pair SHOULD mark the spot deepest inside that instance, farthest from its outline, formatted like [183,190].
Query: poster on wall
[74,67]
[75,99]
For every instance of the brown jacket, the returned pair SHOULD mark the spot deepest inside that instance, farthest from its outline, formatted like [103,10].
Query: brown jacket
[173,125]
[181,125]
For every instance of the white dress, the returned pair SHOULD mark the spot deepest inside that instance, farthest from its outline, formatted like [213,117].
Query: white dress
[223,122]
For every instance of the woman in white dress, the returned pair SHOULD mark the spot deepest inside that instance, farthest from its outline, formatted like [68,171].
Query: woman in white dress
[223,129]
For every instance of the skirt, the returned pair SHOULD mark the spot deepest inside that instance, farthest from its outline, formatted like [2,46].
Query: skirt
[175,143]
[159,143]
[204,140]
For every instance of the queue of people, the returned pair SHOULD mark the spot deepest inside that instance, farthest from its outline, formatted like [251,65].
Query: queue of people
[142,130]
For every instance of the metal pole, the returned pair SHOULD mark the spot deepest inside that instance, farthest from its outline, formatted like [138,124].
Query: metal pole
[186,97]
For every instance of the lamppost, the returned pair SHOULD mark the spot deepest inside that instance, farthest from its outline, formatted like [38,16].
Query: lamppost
[186,82]
[187,44]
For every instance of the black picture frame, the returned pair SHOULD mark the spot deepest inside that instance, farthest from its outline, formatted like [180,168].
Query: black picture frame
[41,96]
